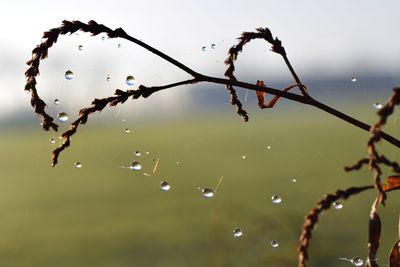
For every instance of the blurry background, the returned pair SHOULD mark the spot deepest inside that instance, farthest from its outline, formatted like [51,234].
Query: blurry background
[103,214]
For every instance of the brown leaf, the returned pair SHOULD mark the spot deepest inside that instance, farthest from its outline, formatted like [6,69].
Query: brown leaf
[392,183]
[394,258]
[260,95]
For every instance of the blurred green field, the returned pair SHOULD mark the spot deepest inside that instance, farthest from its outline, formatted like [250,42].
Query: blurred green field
[105,215]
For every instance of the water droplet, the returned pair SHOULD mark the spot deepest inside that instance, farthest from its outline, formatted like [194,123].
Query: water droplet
[80,47]
[207,193]
[130,80]
[203,48]
[237,232]
[56,101]
[147,153]
[294,180]
[212,46]
[62,116]
[377,105]
[276,199]
[103,38]
[357,261]
[69,75]
[337,205]
[177,163]
[146,174]
[137,153]
[127,130]
[268,147]
[244,157]
[135,166]
[78,165]
[108,78]
[274,244]
[165,186]
[119,45]
[353,79]
[52,141]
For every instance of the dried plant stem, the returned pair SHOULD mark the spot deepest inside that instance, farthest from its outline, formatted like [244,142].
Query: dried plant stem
[312,218]
[50,37]
[374,234]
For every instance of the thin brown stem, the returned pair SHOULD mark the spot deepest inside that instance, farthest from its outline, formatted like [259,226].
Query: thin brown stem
[312,218]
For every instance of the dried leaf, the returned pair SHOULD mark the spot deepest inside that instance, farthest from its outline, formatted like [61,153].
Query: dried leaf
[392,183]
[394,258]
[260,95]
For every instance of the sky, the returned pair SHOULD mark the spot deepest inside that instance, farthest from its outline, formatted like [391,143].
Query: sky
[342,37]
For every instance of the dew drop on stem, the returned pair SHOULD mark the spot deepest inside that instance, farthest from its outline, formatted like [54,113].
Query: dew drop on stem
[56,101]
[203,48]
[337,205]
[377,105]
[353,79]
[126,130]
[108,78]
[52,141]
[137,153]
[80,47]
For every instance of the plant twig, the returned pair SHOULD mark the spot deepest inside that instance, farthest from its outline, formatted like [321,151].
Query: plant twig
[50,37]
[312,218]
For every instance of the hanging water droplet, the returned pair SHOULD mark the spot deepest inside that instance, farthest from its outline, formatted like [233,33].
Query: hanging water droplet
[244,157]
[78,165]
[207,193]
[108,78]
[62,117]
[357,261]
[80,47]
[119,45]
[274,244]
[165,186]
[146,174]
[268,147]
[130,80]
[337,205]
[56,101]
[69,75]
[377,105]
[147,153]
[135,166]
[294,180]
[276,199]
[52,141]
[137,153]
[353,79]
[212,46]
[103,38]
[203,48]
[237,232]
[127,130]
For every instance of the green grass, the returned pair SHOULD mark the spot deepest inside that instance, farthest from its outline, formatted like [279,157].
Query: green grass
[105,215]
